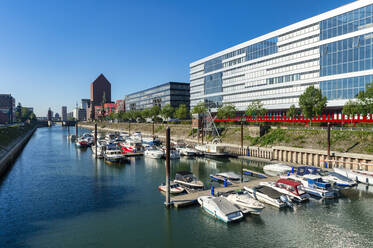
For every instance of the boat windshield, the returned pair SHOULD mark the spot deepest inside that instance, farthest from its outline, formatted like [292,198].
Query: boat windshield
[300,189]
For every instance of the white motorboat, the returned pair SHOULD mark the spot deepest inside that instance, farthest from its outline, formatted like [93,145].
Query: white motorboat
[212,150]
[187,179]
[100,152]
[154,153]
[338,179]
[289,187]
[175,188]
[81,143]
[359,176]
[71,137]
[314,185]
[269,196]
[229,175]
[220,208]
[244,202]
[174,154]
[276,169]
[114,155]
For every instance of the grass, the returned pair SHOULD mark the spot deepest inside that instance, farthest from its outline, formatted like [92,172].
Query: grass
[9,134]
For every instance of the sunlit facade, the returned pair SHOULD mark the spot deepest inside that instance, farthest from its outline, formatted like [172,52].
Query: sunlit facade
[332,51]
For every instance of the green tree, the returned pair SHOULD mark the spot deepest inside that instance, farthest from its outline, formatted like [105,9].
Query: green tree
[292,111]
[352,108]
[145,113]
[123,116]
[111,116]
[154,112]
[181,112]
[167,111]
[226,111]
[200,108]
[365,100]
[255,108]
[32,117]
[312,103]
[19,112]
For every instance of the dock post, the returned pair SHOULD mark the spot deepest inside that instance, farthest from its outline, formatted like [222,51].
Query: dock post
[328,141]
[76,129]
[241,153]
[153,130]
[96,139]
[167,203]
[212,190]
[129,127]
[202,132]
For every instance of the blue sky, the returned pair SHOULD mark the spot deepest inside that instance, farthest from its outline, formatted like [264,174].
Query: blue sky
[50,51]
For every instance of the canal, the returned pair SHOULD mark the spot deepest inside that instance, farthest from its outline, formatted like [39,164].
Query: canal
[59,196]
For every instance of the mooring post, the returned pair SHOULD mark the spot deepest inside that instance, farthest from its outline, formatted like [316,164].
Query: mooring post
[96,139]
[129,128]
[202,132]
[153,131]
[76,129]
[241,153]
[167,203]
[328,141]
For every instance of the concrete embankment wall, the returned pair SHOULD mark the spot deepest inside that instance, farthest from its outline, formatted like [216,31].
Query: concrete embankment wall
[7,160]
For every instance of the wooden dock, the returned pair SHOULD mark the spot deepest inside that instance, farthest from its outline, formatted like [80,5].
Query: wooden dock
[190,199]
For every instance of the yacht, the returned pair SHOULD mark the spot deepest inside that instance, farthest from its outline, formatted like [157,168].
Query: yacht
[153,153]
[244,202]
[175,188]
[186,150]
[114,155]
[276,169]
[359,176]
[269,196]
[81,143]
[212,150]
[289,187]
[187,179]
[338,179]
[132,146]
[220,208]
[314,185]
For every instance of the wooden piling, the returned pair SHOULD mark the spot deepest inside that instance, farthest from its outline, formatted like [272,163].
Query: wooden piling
[96,139]
[76,129]
[328,140]
[153,130]
[241,153]
[167,203]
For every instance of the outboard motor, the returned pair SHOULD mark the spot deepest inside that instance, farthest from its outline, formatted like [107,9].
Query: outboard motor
[286,199]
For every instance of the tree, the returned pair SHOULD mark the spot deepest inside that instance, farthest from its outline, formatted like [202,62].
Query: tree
[292,111]
[145,113]
[255,108]
[226,111]
[312,103]
[352,108]
[32,117]
[365,100]
[19,112]
[111,116]
[154,112]
[123,116]
[200,108]
[167,111]
[181,112]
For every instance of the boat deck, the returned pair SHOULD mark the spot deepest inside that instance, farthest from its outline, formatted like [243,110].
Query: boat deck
[191,199]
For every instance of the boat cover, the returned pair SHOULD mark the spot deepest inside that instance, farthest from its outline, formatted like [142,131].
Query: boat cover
[268,191]
[224,205]
[304,170]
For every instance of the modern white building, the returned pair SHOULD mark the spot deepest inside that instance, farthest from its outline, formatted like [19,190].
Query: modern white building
[79,114]
[332,51]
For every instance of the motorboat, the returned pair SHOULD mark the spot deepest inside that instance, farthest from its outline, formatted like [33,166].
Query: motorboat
[187,179]
[175,188]
[220,208]
[174,154]
[212,150]
[136,136]
[114,155]
[186,150]
[154,153]
[109,137]
[269,196]
[220,179]
[359,176]
[132,146]
[230,175]
[81,143]
[314,185]
[100,151]
[71,137]
[337,179]
[289,187]
[276,169]
[244,202]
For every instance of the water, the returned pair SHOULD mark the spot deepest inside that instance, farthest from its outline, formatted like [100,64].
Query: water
[58,196]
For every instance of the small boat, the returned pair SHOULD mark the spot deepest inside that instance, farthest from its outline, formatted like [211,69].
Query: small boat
[230,175]
[220,179]
[115,156]
[187,179]
[186,150]
[337,179]
[212,150]
[175,188]
[269,196]
[220,208]
[289,187]
[314,185]
[100,151]
[244,202]
[81,143]
[71,137]
[253,173]
[174,154]
[153,153]
[359,176]
[276,169]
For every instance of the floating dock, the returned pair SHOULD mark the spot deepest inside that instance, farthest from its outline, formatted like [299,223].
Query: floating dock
[179,201]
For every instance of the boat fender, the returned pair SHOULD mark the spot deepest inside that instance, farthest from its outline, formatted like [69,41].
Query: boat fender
[226,184]
[292,169]
[367,180]
[212,190]
[326,165]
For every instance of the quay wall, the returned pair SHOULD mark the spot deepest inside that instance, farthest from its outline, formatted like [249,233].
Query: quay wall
[6,161]
[290,155]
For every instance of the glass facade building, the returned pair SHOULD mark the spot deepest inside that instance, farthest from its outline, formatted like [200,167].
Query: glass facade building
[173,93]
[332,51]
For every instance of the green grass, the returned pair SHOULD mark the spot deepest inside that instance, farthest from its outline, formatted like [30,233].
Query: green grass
[9,134]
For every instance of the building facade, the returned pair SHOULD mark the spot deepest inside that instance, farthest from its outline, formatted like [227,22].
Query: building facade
[85,103]
[7,109]
[120,106]
[332,51]
[50,115]
[100,92]
[79,114]
[173,93]
[64,113]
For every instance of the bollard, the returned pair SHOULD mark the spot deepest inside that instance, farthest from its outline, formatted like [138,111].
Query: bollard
[325,165]
[292,169]
[212,190]
[225,183]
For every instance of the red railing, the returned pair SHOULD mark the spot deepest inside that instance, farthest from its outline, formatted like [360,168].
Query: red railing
[343,119]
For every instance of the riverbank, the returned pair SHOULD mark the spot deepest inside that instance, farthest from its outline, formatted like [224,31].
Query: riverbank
[13,140]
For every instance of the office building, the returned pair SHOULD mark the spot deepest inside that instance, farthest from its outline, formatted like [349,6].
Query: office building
[85,103]
[332,51]
[79,114]
[64,113]
[100,92]
[50,114]
[173,93]
[7,109]
[120,106]
[70,115]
